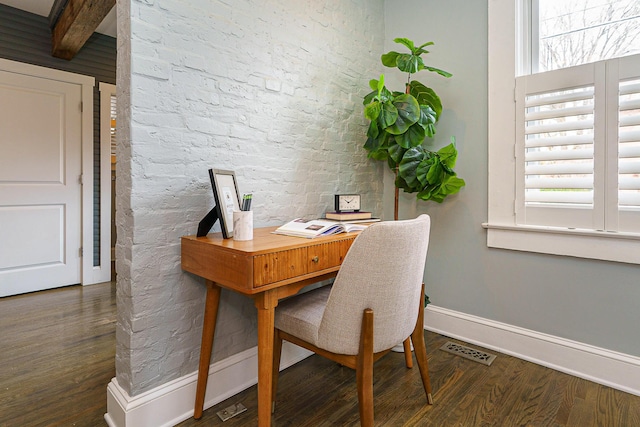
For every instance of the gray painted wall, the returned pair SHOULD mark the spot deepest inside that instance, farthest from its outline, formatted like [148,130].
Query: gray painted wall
[593,302]
[26,37]
[270,89]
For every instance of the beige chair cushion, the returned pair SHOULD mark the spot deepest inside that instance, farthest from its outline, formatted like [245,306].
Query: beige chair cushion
[301,315]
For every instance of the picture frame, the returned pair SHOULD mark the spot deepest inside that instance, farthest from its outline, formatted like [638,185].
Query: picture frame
[226,195]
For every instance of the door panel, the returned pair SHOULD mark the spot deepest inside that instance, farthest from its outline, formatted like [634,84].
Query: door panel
[44,224]
[40,190]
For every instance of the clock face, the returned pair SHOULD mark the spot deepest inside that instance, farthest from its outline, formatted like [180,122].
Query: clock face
[347,202]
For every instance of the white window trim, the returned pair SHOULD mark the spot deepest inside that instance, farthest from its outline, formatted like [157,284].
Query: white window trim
[502,230]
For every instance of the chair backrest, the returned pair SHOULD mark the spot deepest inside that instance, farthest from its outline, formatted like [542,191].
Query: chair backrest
[383,271]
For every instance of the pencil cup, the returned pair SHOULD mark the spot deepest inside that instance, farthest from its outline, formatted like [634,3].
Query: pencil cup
[243,225]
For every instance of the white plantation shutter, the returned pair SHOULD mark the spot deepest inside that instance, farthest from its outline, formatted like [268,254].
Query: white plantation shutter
[578,147]
[556,148]
[628,144]
[559,147]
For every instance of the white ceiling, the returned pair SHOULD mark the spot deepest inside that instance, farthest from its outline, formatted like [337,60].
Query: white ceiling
[43,7]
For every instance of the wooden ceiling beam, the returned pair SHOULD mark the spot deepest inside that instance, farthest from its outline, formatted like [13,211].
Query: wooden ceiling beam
[76,24]
[56,9]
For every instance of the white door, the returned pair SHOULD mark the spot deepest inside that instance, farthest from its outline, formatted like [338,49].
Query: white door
[40,189]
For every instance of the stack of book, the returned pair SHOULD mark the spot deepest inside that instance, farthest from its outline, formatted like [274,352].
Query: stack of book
[359,216]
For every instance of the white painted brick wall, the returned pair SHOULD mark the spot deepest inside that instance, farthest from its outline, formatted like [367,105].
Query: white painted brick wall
[270,89]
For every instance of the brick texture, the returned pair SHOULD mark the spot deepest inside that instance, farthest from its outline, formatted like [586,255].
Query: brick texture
[270,89]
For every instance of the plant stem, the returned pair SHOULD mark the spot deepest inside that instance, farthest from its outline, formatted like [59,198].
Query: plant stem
[397,197]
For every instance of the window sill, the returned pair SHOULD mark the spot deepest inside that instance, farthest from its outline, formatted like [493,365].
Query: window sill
[602,245]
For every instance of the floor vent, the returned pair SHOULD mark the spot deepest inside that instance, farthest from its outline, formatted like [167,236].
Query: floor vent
[231,411]
[468,353]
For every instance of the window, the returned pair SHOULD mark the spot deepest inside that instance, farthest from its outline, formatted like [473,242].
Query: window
[564,127]
[575,32]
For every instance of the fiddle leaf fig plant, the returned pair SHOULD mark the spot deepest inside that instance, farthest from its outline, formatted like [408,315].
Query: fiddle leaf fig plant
[400,122]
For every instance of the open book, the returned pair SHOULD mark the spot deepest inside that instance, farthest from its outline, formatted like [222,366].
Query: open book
[311,228]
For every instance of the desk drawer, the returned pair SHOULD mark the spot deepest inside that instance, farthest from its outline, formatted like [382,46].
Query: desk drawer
[276,266]
[327,255]
[283,265]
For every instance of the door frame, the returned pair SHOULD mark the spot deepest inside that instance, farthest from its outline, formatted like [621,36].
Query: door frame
[90,273]
[106,91]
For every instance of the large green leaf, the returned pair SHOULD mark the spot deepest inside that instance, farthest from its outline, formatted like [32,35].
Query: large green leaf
[408,63]
[389,59]
[448,155]
[438,192]
[384,95]
[402,184]
[452,185]
[408,113]
[439,71]
[427,120]
[373,131]
[380,154]
[437,195]
[388,114]
[409,165]
[368,99]
[377,148]
[372,144]
[423,168]
[427,192]
[396,152]
[420,49]
[405,42]
[372,111]
[436,174]
[426,96]
[412,137]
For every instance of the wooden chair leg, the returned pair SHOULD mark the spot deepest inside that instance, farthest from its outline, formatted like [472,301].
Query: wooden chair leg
[417,337]
[277,352]
[364,370]
[408,359]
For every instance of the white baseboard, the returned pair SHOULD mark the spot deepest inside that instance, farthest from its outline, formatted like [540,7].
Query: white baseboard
[607,367]
[172,402]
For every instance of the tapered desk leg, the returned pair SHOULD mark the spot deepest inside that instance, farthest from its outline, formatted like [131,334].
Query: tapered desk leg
[208,330]
[266,303]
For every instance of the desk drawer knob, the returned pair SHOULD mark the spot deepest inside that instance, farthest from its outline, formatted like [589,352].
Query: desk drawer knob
[315,259]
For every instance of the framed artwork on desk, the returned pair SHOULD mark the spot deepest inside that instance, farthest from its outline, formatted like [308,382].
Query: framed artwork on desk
[225,192]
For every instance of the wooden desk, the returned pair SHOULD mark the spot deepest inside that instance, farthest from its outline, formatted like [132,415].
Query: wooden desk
[268,268]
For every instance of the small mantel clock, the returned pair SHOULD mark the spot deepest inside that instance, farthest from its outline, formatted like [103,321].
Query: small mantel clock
[347,202]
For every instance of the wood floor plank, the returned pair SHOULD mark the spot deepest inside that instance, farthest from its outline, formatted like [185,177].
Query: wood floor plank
[480,403]
[583,412]
[57,355]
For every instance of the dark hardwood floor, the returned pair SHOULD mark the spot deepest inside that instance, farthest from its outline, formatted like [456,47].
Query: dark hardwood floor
[57,351]
[57,355]
[510,392]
